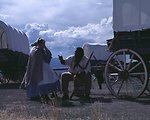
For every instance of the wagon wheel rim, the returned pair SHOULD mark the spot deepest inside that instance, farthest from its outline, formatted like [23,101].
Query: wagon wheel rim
[126,77]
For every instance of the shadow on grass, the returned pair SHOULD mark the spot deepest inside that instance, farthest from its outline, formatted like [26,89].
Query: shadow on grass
[145,100]
[102,100]
[93,100]
[10,86]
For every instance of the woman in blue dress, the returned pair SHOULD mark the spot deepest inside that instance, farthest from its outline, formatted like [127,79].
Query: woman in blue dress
[40,79]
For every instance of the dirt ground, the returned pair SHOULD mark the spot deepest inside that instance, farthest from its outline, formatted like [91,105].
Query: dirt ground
[14,105]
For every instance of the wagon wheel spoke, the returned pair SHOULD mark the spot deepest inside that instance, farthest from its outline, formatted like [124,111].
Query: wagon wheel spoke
[135,67]
[114,76]
[135,74]
[132,85]
[124,88]
[115,82]
[115,67]
[136,81]
[120,87]
[136,84]
[140,75]
[131,59]
[124,55]
[119,62]
[125,76]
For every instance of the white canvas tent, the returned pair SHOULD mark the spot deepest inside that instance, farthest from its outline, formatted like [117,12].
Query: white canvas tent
[131,15]
[100,51]
[13,39]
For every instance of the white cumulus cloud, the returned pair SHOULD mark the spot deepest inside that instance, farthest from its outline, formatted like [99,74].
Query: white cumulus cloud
[65,41]
[64,24]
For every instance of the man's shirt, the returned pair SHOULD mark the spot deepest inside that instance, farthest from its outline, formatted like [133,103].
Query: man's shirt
[70,61]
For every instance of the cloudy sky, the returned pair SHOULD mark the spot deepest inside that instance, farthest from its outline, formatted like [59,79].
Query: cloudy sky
[64,24]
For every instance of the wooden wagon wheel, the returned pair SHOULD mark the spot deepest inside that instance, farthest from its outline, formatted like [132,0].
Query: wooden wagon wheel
[126,74]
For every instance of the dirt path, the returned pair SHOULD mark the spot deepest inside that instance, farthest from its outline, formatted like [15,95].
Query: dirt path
[14,105]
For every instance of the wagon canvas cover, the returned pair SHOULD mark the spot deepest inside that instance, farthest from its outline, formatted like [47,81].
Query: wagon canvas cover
[131,15]
[100,51]
[13,39]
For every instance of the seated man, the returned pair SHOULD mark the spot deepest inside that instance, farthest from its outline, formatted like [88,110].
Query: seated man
[79,70]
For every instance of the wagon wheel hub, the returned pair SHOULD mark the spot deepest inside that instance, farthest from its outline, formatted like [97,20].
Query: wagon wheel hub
[124,75]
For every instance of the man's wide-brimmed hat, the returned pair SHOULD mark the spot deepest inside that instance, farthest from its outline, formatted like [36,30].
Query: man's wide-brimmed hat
[37,42]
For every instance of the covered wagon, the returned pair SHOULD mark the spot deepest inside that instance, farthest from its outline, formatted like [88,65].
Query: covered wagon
[131,24]
[14,51]
[100,51]
[98,55]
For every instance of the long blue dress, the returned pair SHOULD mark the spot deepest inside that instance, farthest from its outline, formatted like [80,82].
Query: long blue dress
[48,82]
